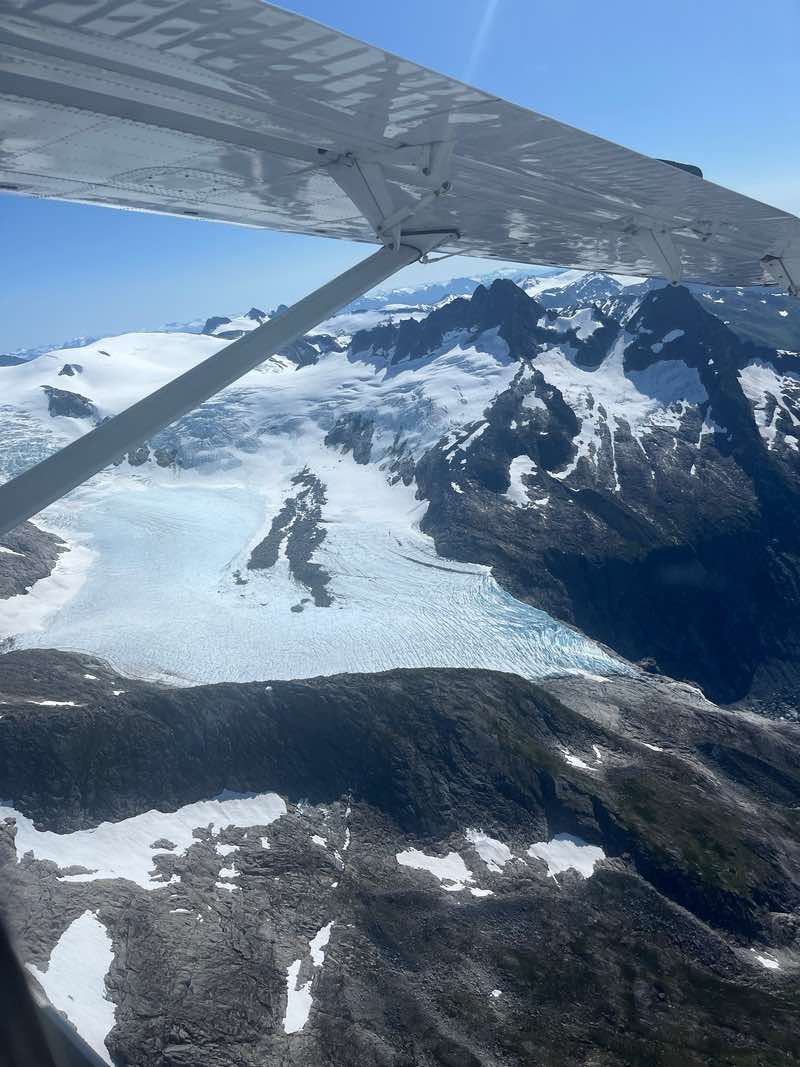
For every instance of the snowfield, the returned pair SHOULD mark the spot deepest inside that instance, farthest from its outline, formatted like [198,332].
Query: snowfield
[605,399]
[567,852]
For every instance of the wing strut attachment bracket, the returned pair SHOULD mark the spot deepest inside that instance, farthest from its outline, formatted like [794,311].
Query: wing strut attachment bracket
[785,273]
[657,245]
[363,180]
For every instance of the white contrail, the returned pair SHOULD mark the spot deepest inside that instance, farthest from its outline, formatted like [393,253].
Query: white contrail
[480,39]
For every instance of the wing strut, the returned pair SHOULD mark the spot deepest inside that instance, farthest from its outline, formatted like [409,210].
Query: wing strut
[34,489]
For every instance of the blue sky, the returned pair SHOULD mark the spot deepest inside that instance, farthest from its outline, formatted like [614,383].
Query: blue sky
[712,82]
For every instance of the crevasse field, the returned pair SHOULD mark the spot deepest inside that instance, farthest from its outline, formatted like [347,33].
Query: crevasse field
[155,596]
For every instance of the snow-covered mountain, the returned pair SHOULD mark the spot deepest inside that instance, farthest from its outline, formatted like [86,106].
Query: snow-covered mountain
[646,461]
[620,447]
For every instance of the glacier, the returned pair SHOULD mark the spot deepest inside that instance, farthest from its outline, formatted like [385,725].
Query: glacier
[159,599]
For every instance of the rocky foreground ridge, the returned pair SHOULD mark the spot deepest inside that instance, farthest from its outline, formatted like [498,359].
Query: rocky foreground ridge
[454,866]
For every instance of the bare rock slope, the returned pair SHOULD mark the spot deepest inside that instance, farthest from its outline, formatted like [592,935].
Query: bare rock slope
[449,867]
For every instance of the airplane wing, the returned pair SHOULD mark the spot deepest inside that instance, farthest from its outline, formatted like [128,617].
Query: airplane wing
[237,111]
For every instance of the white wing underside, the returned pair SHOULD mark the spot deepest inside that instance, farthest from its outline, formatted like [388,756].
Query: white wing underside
[236,111]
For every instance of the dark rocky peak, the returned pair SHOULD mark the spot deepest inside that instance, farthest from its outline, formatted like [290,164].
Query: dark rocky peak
[70,405]
[508,307]
[214,323]
[412,339]
[596,284]
[700,517]
[588,349]
[624,303]
[503,306]
[281,309]
[257,315]
[528,419]
[302,352]
[696,863]
[672,301]
[69,370]
[484,746]
[324,342]
[669,323]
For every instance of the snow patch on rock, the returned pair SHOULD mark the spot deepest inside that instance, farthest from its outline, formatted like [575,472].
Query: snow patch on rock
[495,854]
[298,1000]
[521,467]
[767,962]
[298,997]
[74,980]
[124,849]
[318,943]
[673,335]
[566,852]
[575,761]
[582,321]
[450,870]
